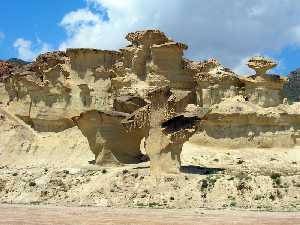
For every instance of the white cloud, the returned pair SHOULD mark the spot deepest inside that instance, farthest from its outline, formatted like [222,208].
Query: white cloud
[82,27]
[242,68]
[77,19]
[28,52]
[228,30]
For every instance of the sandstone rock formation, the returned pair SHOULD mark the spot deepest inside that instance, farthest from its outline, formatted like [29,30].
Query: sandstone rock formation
[148,90]
[108,139]
[236,123]
[165,129]
[261,65]
[215,83]
[5,70]
[168,131]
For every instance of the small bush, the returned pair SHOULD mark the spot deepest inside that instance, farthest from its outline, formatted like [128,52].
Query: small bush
[258,197]
[233,204]
[276,177]
[208,183]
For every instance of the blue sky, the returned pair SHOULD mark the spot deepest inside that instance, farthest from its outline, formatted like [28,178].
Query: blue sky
[32,20]
[289,58]
[231,31]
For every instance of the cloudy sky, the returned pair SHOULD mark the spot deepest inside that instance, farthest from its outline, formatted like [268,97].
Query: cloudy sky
[229,30]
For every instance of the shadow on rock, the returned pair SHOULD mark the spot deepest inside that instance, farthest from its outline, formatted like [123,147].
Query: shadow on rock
[201,170]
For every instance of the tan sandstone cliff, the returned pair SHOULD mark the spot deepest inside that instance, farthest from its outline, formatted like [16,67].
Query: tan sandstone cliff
[147,90]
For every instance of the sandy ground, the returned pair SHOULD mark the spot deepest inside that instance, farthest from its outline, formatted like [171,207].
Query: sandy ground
[55,169]
[232,179]
[46,215]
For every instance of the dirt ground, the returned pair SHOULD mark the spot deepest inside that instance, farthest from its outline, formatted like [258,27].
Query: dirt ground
[46,215]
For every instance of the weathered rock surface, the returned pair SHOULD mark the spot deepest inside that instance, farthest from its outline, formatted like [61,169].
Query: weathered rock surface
[261,65]
[68,118]
[147,90]
[108,139]
[237,123]
[167,132]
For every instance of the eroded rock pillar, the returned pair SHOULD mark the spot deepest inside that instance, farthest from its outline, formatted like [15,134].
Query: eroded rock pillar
[167,133]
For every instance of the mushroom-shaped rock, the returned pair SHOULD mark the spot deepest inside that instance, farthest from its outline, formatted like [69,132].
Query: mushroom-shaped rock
[164,143]
[108,139]
[261,65]
[167,132]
